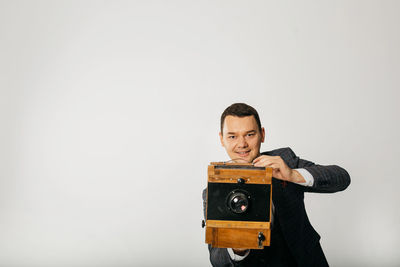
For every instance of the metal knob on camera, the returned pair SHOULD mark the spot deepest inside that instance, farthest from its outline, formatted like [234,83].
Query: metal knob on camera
[261,238]
[241,181]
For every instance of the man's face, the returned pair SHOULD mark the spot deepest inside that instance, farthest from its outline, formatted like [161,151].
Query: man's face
[242,138]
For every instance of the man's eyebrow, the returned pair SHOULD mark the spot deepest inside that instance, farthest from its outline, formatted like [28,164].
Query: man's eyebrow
[233,133]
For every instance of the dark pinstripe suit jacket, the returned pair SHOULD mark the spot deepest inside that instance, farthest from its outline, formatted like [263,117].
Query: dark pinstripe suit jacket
[301,239]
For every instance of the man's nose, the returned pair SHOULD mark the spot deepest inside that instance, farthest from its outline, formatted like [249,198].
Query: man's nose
[242,142]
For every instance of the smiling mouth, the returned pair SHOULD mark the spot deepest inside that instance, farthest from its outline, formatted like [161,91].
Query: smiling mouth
[243,153]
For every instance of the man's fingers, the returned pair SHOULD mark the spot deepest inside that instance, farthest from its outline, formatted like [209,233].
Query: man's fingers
[279,167]
[264,161]
[257,159]
[262,157]
[261,162]
[274,166]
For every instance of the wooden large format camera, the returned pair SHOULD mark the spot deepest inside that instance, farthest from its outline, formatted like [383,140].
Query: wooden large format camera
[238,205]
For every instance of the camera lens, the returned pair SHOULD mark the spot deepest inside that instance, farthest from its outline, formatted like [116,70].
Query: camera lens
[238,202]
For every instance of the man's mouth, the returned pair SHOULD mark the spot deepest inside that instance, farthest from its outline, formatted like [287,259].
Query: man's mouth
[243,153]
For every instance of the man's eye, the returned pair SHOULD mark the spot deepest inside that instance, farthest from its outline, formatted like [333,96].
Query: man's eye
[250,134]
[231,137]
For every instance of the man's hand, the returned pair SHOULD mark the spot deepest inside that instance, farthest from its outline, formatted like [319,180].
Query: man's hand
[240,251]
[279,168]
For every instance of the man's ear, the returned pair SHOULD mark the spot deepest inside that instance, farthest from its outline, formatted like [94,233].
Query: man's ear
[221,139]
[262,134]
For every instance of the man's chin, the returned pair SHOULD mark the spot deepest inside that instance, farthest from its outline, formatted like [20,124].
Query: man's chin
[239,159]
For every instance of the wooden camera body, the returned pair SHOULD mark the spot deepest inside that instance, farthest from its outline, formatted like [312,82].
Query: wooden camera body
[238,205]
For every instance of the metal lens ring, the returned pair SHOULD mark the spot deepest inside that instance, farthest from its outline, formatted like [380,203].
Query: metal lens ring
[238,201]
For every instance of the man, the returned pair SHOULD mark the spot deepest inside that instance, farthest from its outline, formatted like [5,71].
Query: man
[294,242]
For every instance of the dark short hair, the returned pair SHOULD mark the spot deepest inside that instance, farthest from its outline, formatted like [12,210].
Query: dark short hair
[240,110]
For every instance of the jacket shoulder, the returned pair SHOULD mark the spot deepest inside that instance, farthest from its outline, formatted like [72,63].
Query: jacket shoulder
[283,152]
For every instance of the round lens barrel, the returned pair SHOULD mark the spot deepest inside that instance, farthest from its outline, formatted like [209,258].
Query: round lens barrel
[238,202]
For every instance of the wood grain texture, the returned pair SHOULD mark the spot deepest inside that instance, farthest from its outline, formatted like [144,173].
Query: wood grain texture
[232,175]
[236,238]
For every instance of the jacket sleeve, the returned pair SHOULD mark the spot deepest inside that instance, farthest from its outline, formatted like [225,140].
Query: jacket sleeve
[327,179]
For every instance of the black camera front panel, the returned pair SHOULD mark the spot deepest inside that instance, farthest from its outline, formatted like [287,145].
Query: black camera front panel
[221,195]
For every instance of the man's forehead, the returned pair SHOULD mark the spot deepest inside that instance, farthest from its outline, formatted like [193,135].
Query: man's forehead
[239,124]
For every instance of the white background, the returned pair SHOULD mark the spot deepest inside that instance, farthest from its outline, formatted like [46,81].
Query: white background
[110,113]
